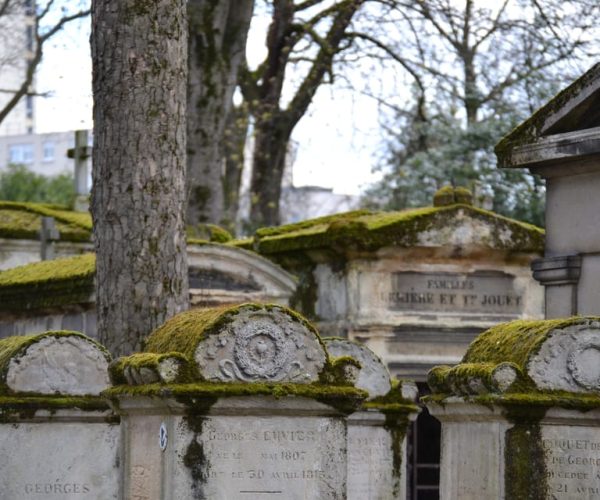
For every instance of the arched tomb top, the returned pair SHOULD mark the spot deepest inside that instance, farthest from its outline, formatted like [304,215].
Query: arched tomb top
[547,355]
[373,376]
[244,343]
[55,362]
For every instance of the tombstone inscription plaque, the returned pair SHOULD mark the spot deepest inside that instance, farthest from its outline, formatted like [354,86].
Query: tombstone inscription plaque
[521,414]
[251,416]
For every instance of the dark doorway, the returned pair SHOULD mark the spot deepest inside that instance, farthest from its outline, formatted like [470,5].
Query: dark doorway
[423,453]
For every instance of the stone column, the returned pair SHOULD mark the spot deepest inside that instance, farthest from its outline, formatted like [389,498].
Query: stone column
[237,402]
[377,431]
[58,438]
[521,413]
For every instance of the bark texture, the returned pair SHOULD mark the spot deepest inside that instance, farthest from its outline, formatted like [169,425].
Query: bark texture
[217,43]
[262,89]
[139,52]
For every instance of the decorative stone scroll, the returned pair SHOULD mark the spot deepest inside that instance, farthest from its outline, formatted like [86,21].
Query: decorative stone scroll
[376,433]
[249,343]
[521,413]
[373,376]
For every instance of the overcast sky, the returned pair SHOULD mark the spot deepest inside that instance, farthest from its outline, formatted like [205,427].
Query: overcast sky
[338,141]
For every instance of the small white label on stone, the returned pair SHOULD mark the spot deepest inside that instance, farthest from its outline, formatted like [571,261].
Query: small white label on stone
[162,437]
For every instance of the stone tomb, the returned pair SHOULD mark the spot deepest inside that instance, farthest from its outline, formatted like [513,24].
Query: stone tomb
[58,438]
[521,414]
[376,440]
[235,402]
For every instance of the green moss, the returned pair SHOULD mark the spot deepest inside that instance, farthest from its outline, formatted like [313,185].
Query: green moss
[187,371]
[208,232]
[48,283]
[16,408]
[449,195]
[458,379]
[517,341]
[371,231]
[340,371]
[23,220]
[344,398]
[183,332]
[15,347]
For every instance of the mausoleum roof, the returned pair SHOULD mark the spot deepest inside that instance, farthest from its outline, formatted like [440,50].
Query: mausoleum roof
[565,128]
[23,221]
[364,230]
[48,283]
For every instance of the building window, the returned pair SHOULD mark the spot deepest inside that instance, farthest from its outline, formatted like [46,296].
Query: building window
[29,106]
[21,154]
[29,9]
[29,34]
[48,151]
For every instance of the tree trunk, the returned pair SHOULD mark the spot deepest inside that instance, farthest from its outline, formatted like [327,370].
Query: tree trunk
[236,132]
[271,140]
[217,43]
[139,53]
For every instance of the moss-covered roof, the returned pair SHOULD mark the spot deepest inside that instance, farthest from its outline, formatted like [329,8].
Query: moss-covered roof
[515,342]
[368,231]
[541,123]
[48,283]
[23,221]
[498,360]
[185,331]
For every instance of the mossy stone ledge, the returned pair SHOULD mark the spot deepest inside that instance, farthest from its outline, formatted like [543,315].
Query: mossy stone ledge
[545,362]
[48,283]
[242,350]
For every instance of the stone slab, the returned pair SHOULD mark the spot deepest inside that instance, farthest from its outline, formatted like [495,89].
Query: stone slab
[572,461]
[59,460]
[373,473]
[466,293]
[293,453]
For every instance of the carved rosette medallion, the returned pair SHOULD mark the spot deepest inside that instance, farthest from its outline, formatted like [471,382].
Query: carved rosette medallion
[264,346]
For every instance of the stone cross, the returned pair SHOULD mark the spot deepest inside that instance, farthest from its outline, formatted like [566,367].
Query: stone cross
[80,153]
[48,235]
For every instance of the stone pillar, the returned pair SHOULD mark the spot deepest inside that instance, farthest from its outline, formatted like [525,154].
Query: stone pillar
[236,402]
[58,438]
[377,431]
[521,413]
[560,277]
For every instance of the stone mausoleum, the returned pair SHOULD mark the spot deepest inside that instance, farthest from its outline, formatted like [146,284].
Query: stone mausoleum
[415,286]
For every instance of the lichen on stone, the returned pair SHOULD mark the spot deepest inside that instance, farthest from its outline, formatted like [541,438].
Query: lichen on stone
[23,220]
[207,232]
[48,283]
[371,231]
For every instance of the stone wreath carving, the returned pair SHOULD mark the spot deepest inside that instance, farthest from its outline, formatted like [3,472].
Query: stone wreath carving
[261,347]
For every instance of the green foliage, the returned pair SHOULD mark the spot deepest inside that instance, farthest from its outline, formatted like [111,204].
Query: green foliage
[461,157]
[18,183]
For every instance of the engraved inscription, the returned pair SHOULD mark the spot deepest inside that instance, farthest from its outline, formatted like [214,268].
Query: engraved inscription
[57,487]
[273,455]
[572,463]
[370,462]
[491,293]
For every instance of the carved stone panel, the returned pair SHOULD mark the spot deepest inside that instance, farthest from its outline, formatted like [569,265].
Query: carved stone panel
[373,376]
[262,346]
